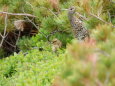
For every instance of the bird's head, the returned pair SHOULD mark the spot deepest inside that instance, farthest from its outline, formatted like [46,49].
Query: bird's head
[72,10]
[54,41]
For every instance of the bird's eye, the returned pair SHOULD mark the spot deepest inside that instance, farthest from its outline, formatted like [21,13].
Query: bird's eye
[71,9]
[54,41]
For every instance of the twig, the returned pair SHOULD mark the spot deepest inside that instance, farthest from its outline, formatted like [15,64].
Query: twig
[100,19]
[109,15]
[35,25]
[9,43]
[102,52]
[52,12]
[4,35]
[29,4]
[18,37]
[100,11]
[17,14]
[107,78]
[1,35]
[98,82]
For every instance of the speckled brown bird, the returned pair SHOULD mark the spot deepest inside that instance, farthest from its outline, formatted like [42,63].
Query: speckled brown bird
[56,44]
[80,32]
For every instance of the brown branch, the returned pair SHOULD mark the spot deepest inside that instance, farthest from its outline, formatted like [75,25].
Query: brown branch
[107,78]
[35,26]
[100,19]
[17,14]
[10,44]
[98,82]
[18,37]
[4,35]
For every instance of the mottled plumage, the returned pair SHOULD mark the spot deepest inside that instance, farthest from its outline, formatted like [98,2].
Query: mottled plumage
[56,44]
[80,32]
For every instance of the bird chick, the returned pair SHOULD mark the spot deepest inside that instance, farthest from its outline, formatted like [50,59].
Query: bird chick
[56,44]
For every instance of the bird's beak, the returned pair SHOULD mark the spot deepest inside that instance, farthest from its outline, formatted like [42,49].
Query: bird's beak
[51,42]
[64,9]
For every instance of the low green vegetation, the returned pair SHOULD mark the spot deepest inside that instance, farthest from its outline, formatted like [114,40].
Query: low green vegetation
[31,67]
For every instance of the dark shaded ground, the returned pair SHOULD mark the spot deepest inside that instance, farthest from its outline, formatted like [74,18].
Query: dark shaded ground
[9,45]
